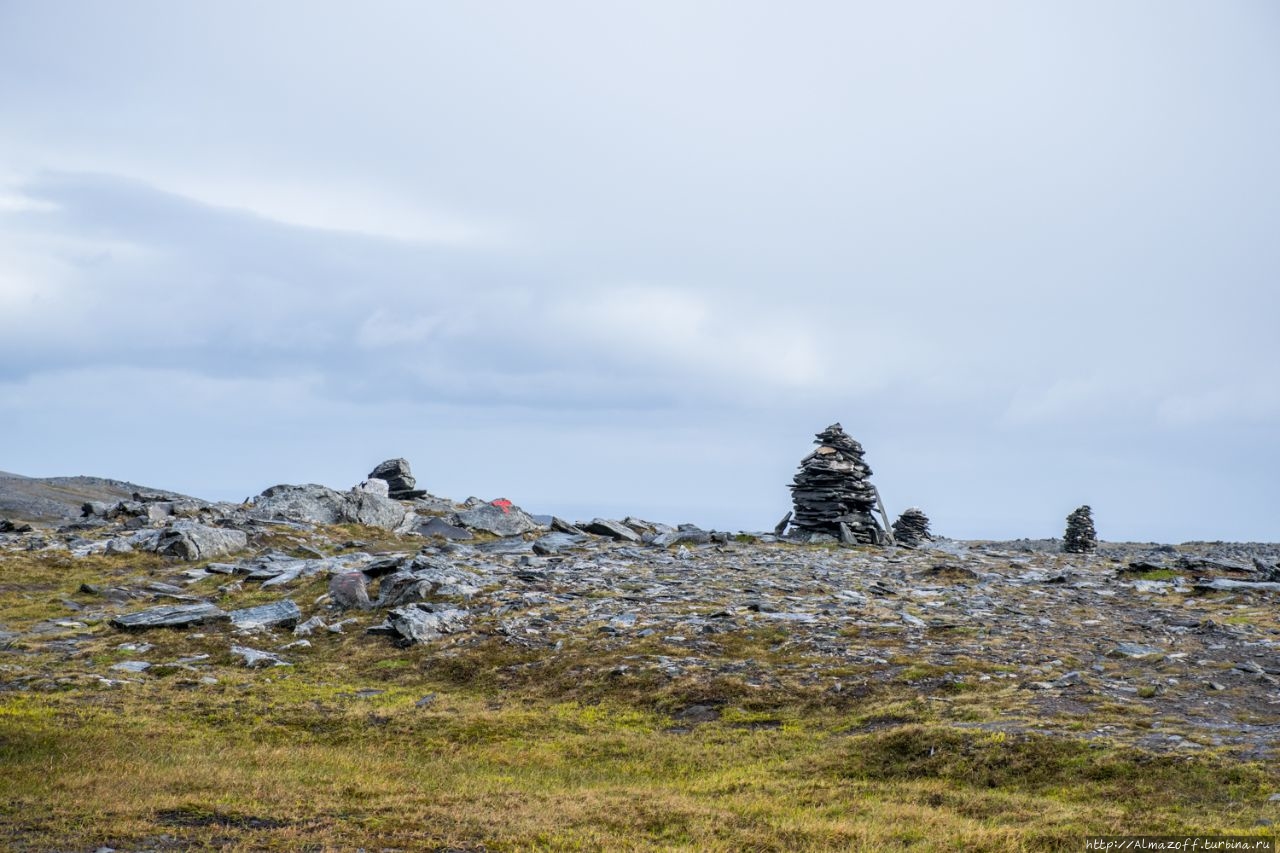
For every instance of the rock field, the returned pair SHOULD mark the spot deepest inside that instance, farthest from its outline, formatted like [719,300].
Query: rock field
[1167,647]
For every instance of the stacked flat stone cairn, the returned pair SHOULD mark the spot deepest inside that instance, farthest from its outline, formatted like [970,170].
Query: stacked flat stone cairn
[911,528]
[401,485]
[1080,537]
[832,491]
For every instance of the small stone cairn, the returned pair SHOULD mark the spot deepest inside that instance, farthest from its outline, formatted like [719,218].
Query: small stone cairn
[1080,537]
[832,491]
[401,485]
[911,528]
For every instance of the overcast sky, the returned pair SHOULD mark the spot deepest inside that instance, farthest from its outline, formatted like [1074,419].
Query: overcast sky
[626,258]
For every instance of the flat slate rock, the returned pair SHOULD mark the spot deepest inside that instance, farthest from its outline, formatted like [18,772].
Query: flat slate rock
[279,614]
[169,616]
[436,526]
[612,529]
[499,520]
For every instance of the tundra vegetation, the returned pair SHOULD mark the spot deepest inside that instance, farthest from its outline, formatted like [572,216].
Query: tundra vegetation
[479,742]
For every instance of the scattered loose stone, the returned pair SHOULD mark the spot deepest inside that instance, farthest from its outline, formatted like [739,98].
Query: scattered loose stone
[315,623]
[415,625]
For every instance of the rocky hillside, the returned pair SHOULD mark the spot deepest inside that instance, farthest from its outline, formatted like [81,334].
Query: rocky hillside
[55,500]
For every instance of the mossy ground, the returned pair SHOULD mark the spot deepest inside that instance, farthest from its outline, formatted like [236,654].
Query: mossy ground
[480,743]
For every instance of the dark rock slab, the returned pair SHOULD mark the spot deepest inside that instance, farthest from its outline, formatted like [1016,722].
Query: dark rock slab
[436,526]
[310,503]
[279,614]
[169,616]
[373,510]
[612,529]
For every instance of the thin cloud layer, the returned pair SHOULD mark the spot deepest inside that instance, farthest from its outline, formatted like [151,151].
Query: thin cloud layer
[635,256]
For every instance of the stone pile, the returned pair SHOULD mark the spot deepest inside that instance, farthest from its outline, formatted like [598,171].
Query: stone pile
[832,491]
[401,485]
[1080,537]
[911,528]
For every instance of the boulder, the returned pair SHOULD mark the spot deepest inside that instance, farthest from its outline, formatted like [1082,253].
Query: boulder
[400,481]
[311,504]
[498,520]
[255,658]
[169,616]
[192,541]
[373,510]
[350,590]
[685,534]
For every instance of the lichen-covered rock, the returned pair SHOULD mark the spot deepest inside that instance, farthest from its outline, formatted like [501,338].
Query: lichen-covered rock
[415,625]
[499,520]
[190,540]
[313,504]
[373,510]
[349,590]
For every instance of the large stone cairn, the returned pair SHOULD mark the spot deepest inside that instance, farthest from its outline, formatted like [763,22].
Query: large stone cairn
[400,482]
[1080,537]
[911,528]
[832,491]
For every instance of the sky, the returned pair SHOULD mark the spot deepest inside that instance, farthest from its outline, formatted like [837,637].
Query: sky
[627,258]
